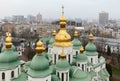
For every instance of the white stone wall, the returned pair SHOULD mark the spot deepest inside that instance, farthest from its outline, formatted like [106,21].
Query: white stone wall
[17,72]
[94,59]
[79,65]
[47,78]
[66,75]
[58,50]
[74,51]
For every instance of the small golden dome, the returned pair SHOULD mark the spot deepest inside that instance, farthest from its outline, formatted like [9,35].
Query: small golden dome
[39,47]
[62,55]
[75,34]
[8,41]
[54,32]
[62,39]
[81,49]
[91,37]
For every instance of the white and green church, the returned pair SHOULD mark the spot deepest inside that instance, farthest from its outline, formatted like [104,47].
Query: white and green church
[65,60]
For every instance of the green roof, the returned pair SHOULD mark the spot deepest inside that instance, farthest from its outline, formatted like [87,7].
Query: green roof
[22,77]
[9,59]
[53,69]
[39,66]
[79,75]
[4,48]
[39,62]
[76,43]
[45,39]
[82,57]
[51,41]
[54,78]
[62,64]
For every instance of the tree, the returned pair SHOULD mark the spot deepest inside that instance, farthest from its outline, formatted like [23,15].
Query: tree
[108,50]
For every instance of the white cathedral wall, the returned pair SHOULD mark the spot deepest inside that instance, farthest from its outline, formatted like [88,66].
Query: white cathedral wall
[58,50]
[60,74]
[8,73]
[93,59]
[82,63]
[74,51]
[48,78]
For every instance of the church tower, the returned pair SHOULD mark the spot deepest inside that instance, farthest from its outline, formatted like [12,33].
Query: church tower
[62,40]
[9,61]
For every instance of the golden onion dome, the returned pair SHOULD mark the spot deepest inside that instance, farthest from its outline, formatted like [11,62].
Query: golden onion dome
[75,34]
[8,41]
[54,32]
[90,36]
[62,38]
[81,49]
[39,47]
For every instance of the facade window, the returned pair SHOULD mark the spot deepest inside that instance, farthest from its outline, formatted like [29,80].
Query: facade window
[67,76]
[62,76]
[46,80]
[12,74]
[69,58]
[87,69]
[55,58]
[91,60]
[76,53]
[58,74]
[83,67]
[18,71]
[58,56]
[3,76]
[78,65]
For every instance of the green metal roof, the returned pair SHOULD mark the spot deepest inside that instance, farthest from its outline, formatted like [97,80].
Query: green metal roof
[76,43]
[53,69]
[51,41]
[79,75]
[39,62]
[22,77]
[4,48]
[9,59]
[39,73]
[54,78]
[62,64]
[81,57]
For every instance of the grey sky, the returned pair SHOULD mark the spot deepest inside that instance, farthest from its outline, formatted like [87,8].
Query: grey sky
[52,8]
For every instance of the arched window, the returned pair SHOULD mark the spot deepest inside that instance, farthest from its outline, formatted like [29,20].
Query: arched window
[62,76]
[55,58]
[91,60]
[83,67]
[18,71]
[76,53]
[67,76]
[69,58]
[58,74]
[12,74]
[3,76]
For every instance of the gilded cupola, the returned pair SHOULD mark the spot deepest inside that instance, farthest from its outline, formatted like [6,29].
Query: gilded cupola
[8,41]
[62,38]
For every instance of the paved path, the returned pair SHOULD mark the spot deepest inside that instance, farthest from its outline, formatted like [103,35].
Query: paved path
[116,76]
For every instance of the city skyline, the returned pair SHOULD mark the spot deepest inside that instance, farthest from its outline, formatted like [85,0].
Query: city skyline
[51,9]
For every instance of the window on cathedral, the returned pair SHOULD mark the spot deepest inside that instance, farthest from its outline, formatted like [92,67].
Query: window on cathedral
[55,58]
[12,74]
[87,69]
[67,76]
[62,76]
[76,53]
[58,74]
[3,76]
[18,71]
[78,65]
[69,58]
[58,56]
[91,60]
[83,67]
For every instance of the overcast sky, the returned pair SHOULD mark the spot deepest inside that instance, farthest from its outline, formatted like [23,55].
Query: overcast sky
[52,8]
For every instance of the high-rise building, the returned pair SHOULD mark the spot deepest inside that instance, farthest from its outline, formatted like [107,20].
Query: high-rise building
[39,18]
[103,18]
[18,19]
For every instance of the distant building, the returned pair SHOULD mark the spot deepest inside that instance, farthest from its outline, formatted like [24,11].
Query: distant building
[39,18]
[103,18]
[18,19]
[30,18]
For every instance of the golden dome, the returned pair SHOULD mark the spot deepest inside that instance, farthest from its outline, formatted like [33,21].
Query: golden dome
[91,37]
[54,32]
[81,49]
[62,55]
[62,38]
[75,34]
[8,41]
[39,47]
